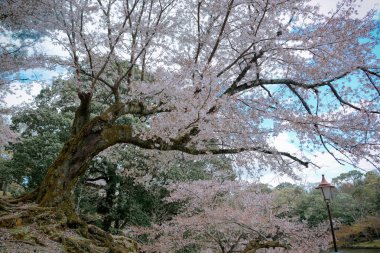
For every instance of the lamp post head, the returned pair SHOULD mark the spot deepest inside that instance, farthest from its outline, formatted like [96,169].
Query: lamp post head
[326,189]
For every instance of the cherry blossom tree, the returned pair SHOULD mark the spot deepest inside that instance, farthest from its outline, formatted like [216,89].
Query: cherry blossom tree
[216,77]
[230,217]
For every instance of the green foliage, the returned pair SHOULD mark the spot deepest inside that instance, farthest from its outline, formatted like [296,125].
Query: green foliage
[192,248]
[31,159]
[312,208]
[357,196]
[360,234]
[367,194]
[351,177]
[44,129]
[285,185]
[344,208]
[116,200]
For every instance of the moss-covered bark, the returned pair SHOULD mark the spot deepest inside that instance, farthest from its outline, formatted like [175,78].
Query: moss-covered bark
[89,137]
[43,229]
[82,114]
[58,185]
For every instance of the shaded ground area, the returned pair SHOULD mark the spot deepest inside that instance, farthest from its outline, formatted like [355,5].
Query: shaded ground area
[30,228]
[26,239]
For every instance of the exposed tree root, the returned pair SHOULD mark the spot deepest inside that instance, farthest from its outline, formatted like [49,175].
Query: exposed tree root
[72,233]
[28,197]
[5,205]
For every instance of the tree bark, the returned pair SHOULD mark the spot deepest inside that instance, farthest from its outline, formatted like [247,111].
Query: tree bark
[57,187]
[82,114]
[255,245]
[108,203]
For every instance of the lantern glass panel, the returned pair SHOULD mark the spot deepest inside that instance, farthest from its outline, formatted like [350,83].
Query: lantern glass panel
[327,193]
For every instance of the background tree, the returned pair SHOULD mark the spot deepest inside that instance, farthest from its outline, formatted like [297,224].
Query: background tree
[44,128]
[352,177]
[129,189]
[229,217]
[352,202]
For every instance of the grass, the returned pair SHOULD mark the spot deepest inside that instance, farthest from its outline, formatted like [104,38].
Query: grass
[375,244]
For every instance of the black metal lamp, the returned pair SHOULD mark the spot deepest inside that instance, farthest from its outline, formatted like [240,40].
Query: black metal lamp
[326,189]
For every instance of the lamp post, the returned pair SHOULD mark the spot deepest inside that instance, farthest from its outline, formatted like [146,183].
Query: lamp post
[326,189]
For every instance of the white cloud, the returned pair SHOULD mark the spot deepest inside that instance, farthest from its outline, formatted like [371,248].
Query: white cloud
[365,6]
[331,168]
[328,165]
[283,143]
[22,93]
[50,48]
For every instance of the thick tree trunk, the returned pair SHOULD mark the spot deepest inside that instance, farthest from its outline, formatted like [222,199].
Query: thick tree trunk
[57,188]
[108,203]
[87,140]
